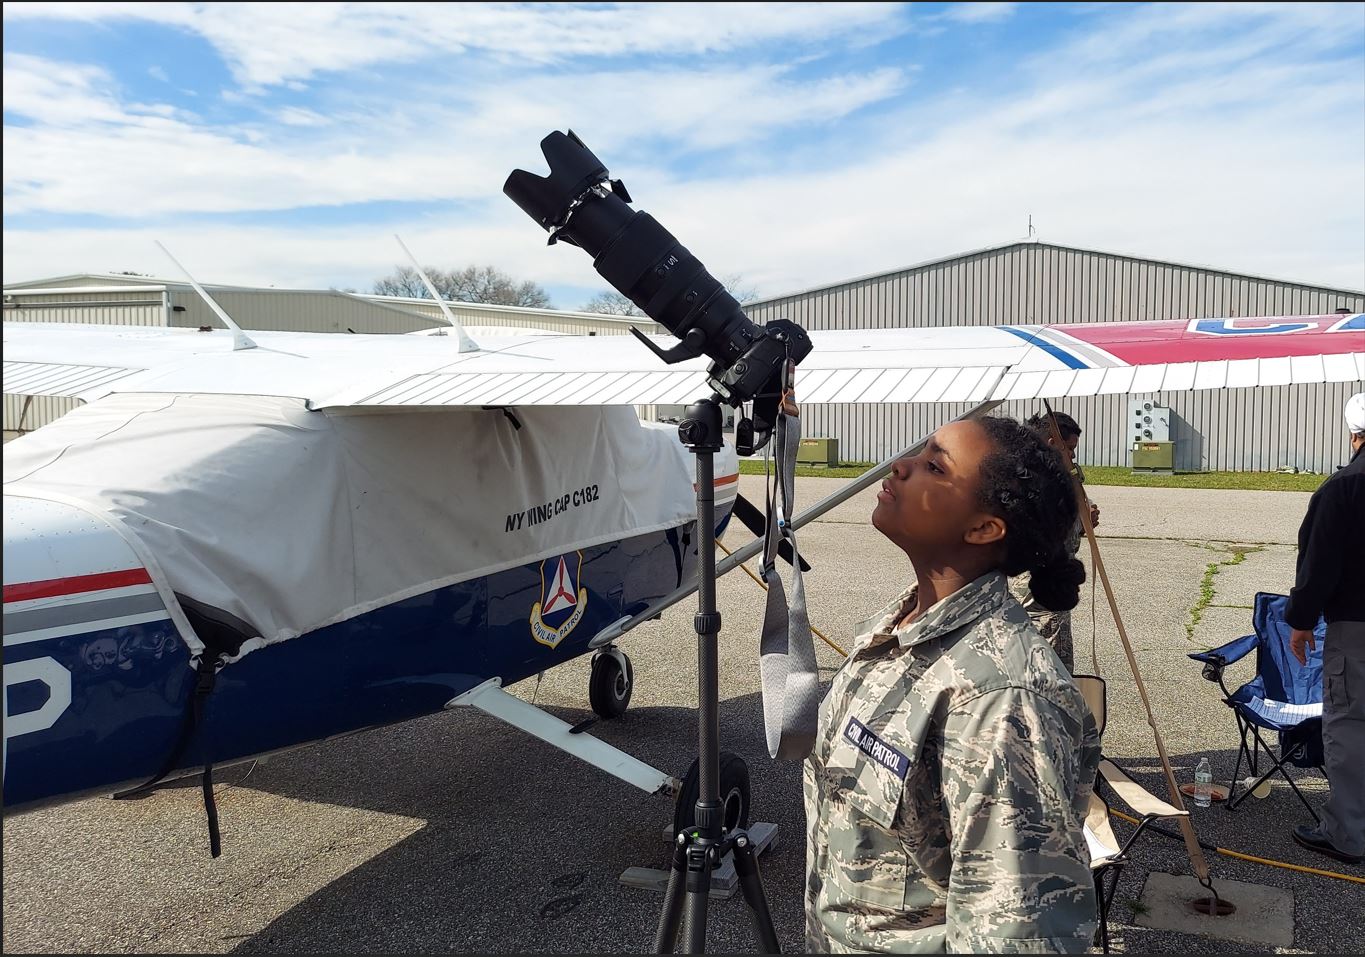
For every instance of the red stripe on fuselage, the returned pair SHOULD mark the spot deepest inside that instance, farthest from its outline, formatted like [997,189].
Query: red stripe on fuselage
[723,480]
[54,587]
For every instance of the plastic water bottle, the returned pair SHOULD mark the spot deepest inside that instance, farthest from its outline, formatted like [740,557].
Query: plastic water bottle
[1203,781]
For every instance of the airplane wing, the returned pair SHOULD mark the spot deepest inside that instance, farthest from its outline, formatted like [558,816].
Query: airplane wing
[943,364]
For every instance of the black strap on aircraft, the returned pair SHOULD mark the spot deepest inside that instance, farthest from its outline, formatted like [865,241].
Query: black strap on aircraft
[206,674]
[222,635]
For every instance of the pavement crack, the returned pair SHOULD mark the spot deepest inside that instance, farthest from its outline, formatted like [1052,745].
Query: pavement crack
[1237,554]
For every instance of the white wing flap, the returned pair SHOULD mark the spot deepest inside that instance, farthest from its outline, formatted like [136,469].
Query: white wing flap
[946,364]
[1339,368]
[60,379]
[1118,381]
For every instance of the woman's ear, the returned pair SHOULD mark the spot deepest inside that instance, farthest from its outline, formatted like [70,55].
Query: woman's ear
[985,530]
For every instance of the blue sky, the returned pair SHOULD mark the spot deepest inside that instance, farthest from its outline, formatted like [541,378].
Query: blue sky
[795,145]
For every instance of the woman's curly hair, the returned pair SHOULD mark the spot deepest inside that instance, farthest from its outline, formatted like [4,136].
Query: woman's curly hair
[1025,483]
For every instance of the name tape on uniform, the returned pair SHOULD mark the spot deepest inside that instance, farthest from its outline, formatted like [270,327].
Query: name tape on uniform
[875,748]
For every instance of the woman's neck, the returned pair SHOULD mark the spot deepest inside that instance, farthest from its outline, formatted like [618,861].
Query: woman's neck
[936,581]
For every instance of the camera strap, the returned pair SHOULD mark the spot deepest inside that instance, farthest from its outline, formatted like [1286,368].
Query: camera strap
[791,679]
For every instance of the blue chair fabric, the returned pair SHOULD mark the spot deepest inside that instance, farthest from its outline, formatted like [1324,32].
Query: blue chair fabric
[1283,699]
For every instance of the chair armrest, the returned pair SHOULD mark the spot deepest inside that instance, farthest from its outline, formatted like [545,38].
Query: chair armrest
[1215,660]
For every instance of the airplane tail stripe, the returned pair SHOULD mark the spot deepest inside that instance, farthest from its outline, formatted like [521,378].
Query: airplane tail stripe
[54,587]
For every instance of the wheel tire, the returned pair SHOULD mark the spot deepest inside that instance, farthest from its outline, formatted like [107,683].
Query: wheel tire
[734,794]
[611,685]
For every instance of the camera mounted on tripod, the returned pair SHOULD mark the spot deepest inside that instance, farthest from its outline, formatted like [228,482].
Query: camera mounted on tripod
[578,203]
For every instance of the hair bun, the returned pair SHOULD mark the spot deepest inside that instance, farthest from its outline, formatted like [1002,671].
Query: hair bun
[1057,583]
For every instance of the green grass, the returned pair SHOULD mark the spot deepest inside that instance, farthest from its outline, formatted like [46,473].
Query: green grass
[1264,481]
[1112,475]
[1206,589]
[846,470]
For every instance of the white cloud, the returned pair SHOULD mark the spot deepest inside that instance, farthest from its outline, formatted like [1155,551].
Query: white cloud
[157,73]
[85,152]
[1231,138]
[298,116]
[270,43]
[979,12]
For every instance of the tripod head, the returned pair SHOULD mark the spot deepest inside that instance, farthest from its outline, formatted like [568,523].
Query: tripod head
[701,429]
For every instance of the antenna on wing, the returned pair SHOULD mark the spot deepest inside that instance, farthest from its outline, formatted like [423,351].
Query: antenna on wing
[240,340]
[466,344]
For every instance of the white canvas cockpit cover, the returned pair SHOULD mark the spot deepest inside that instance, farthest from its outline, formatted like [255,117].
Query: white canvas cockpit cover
[292,520]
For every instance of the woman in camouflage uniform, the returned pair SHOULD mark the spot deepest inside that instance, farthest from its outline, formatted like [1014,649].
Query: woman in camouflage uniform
[954,761]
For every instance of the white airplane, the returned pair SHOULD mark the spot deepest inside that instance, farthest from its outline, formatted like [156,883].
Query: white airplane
[243,544]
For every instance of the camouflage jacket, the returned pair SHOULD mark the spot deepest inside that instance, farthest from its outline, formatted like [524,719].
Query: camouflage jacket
[947,788]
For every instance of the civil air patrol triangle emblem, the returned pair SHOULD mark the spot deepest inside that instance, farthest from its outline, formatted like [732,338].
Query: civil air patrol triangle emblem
[562,599]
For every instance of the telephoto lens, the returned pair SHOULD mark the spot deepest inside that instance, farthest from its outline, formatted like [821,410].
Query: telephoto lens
[630,248]
[579,204]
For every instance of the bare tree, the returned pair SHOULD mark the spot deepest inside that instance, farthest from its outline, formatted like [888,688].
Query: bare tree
[471,284]
[404,282]
[739,287]
[614,304]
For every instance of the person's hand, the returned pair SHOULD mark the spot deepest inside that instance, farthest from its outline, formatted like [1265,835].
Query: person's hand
[1094,515]
[1301,642]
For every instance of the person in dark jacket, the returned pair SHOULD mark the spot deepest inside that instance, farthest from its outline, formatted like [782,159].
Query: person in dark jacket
[1330,583]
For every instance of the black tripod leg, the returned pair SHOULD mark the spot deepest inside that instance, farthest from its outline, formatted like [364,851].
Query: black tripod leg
[667,936]
[751,884]
[698,897]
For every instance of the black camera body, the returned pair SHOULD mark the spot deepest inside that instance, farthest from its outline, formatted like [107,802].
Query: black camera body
[578,204]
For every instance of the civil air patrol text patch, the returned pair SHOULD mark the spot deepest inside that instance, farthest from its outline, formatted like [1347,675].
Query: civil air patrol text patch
[875,748]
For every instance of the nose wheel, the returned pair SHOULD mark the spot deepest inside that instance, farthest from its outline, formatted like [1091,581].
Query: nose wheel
[611,684]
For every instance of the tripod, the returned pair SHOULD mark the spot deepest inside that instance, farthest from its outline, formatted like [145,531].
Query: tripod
[698,850]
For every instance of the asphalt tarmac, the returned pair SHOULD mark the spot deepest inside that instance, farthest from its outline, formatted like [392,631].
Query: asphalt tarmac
[457,833]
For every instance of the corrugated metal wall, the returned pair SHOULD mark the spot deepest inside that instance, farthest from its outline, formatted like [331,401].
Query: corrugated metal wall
[24,413]
[289,310]
[1236,429]
[133,308]
[1247,427]
[475,314]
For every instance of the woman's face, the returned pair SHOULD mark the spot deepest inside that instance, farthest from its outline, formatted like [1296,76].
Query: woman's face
[928,505]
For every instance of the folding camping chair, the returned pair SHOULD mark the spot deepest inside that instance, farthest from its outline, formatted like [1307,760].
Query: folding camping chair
[1107,855]
[1284,697]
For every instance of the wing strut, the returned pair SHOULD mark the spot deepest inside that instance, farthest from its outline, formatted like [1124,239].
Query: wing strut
[614,631]
[240,340]
[466,344]
[489,698]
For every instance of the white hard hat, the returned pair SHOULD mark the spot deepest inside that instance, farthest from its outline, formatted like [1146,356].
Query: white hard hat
[1355,413]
